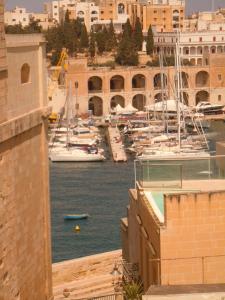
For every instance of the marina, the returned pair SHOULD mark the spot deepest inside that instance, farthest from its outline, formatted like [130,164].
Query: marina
[102,191]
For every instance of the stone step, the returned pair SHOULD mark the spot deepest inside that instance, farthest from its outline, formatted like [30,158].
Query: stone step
[83,288]
[100,291]
[96,292]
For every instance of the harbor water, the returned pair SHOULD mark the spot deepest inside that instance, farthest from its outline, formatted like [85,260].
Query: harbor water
[100,190]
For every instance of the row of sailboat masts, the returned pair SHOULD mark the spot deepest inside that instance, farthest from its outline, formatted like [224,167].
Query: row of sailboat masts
[179,97]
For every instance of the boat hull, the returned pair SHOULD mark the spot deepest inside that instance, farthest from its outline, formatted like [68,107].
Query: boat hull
[55,157]
[75,217]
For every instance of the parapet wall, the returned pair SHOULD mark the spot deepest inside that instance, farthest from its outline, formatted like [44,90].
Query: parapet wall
[80,268]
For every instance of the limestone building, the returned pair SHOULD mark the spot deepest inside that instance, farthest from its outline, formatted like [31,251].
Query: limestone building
[174,231]
[165,16]
[25,252]
[101,89]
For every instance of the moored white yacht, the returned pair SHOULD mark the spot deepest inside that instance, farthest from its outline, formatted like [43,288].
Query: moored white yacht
[209,108]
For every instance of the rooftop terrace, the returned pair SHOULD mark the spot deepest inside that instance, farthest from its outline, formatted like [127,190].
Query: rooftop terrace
[159,178]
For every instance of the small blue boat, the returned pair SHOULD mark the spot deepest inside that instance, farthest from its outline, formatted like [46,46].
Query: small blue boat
[76,217]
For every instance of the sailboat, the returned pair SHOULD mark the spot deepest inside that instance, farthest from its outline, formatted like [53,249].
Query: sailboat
[179,151]
[65,152]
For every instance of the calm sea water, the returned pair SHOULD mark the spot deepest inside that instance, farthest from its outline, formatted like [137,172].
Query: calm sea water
[99,189]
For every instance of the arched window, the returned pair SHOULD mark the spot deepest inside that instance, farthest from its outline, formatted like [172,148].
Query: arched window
[25,73]
[121,8]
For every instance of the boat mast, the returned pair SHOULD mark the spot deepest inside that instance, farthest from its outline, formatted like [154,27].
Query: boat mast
[177,88]
[68,114]
[162,78]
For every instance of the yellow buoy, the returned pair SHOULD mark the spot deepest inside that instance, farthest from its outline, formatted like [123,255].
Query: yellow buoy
[77,228]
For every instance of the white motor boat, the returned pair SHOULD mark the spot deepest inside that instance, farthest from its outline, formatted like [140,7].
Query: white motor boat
[209,108]
[74,155]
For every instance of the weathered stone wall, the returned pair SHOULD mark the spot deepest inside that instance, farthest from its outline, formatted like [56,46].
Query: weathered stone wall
[94,265]
[24,220]
[3,69]
[25,252]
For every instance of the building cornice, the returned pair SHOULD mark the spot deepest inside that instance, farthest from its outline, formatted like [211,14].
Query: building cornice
[19,125]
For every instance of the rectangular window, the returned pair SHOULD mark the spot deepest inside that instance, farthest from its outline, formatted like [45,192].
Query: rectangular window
[219,77]
[219,97]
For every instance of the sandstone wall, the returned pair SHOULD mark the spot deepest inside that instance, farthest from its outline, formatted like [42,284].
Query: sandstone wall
[25,250]
[80,268]
[193,241]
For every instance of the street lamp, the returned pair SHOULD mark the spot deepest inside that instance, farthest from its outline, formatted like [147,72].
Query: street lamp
[116,277]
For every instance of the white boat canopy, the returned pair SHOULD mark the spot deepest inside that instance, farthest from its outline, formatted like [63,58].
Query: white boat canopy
[168,105]
[118,109]
[130,109]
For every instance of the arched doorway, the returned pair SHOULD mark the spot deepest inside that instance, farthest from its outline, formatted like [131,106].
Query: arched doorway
[201,96]
[138,82]
[94,84]
[117,100]
[202,79]
[139,102]
[117,83]
[184,80]
[185,98]
[158,97]
[157,81]
[95,104]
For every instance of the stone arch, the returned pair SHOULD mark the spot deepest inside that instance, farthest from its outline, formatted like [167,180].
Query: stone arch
[94,84]
[118,99]
[186,98]
[80,13]
[158,97]
[138,81]
[186,50]
[202,79]
[25,73]
[121,8]
[219,49]
[213,49]
[157,81]
[96,105]
[139,102]
[199,61]
[117,83]
[199,50]
[201,96]
[185,78]
[192,62]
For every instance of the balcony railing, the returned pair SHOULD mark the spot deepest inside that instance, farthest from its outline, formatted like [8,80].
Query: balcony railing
[138,89]
[116,90]
[94,91]
[172,173]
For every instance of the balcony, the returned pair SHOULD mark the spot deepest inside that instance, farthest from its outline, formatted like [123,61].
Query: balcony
[189,174]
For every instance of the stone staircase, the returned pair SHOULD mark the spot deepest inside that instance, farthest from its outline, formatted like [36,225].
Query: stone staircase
[91,287]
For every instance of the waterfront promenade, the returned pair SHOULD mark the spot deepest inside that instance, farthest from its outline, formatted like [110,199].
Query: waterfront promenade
[116,145]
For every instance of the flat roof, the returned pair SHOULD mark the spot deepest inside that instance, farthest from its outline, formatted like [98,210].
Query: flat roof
[185,289]
[155,196]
